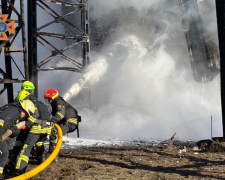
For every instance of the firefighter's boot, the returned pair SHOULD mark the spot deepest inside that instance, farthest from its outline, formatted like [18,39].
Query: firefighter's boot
[51,149]
[41,158]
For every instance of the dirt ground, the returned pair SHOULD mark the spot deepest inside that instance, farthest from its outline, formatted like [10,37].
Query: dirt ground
[128,163]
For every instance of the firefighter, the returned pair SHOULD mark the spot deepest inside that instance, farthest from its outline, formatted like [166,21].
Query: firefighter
[62,113]
[43,112]
[28,86]
[9,116]
[34,134]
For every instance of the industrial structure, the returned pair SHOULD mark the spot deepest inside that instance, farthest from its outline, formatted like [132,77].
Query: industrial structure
[220,12]
[35,36]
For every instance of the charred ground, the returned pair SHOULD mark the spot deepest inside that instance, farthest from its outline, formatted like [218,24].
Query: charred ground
[139,162]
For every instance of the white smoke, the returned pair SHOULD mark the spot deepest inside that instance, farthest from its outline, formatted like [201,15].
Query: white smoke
[100,8]
[141,96]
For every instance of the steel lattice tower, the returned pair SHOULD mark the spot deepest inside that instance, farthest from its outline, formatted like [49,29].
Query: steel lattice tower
[7,51]
[76,36]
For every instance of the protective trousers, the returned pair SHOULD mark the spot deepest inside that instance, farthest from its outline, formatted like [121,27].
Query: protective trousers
[17,148]
[20,140]
[22,149]
[66,128]
[24,154]
[4,152]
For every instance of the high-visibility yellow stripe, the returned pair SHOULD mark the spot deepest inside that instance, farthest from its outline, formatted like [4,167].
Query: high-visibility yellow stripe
[22,157]
[31,119]
[72,120]
[55,96]
[24,160]
[39,130]
[60,114]
[24,147]
[39,143]
[61,106]
[18,163]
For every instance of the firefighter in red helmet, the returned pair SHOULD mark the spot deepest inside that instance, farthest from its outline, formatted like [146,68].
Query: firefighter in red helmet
[62,113]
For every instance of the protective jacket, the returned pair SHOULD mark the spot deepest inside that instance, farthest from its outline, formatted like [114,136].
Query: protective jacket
[9,116]
[42,124]
[39,125]
[63,112]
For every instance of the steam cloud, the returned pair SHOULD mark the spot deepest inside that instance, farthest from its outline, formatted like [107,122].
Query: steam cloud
[141,96]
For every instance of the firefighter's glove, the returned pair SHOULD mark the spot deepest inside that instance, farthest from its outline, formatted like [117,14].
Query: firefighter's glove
[54,120]
[28,124]
[15,131]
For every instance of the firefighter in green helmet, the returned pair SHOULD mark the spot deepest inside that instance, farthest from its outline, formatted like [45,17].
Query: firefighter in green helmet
[9,115]
[28,86]
[33,134]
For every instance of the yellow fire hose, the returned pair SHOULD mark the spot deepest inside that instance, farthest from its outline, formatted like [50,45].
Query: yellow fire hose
[42,166]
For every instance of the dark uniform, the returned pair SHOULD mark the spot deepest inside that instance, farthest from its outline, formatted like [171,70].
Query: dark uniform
[37,130]
[65,116]
[9,116]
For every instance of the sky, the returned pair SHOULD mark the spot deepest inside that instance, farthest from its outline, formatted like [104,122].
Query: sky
[138,92]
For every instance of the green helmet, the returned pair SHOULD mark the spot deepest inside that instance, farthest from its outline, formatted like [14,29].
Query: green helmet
[27,85]
[28,106]
[22,95]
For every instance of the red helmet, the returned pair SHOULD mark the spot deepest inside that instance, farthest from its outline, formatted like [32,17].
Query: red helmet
[51,94]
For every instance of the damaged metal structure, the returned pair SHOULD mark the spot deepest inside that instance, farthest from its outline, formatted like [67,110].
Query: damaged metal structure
[205,56]
[203,52]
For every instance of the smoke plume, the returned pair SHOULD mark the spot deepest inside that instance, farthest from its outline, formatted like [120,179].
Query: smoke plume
[148,89]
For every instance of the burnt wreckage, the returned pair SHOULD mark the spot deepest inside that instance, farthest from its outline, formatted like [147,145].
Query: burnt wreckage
[202,49]
[206,56]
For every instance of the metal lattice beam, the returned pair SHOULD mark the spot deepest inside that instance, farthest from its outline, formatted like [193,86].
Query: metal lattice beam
[77,34]
[7,49]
